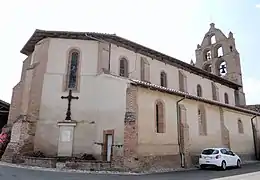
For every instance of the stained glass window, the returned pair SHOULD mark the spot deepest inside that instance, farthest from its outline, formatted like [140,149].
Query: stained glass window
[123,71]
[73,68]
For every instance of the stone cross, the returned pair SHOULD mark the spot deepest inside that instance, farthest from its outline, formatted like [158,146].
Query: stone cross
[69,97]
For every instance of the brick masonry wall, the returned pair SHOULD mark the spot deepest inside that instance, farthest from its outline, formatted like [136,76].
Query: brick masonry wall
[131,130]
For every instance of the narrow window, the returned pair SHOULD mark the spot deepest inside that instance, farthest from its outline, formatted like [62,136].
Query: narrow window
[226,98]
[240,127]
[230,48]
[202,121]
[123,71]
[213,39]
[220,51]
[72,74]
[182,82]
[145,70]
[214,91]
[163,79]
[207,55]
[159,113]
[199,90]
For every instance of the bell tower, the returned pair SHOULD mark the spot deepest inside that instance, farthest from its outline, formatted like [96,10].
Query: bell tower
[218,55]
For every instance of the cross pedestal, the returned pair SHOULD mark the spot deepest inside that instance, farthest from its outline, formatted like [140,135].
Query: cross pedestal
[66,137]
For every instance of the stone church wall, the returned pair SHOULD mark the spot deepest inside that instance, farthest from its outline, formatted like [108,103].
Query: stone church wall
[157,66]
[221,130]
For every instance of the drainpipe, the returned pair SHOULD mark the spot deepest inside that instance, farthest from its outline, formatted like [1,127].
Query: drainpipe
[178,129]
[254,136]
[109,57]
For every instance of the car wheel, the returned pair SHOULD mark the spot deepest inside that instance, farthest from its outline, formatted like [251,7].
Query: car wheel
[223,165]
[238,163]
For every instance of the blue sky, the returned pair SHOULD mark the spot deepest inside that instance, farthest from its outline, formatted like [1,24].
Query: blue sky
[170,26]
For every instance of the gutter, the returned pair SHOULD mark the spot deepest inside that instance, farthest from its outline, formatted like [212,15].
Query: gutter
[178,130]
[109,57]
[254,137]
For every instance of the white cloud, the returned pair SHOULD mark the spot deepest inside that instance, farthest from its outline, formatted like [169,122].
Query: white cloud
[252,90]
[257,6]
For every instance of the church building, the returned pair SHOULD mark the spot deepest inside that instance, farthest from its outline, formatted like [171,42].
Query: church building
[101,94]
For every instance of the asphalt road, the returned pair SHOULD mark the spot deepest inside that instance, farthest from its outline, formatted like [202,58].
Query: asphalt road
[11,173]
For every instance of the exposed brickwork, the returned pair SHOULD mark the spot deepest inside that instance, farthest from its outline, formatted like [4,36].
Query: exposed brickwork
[131,129]
[224,131]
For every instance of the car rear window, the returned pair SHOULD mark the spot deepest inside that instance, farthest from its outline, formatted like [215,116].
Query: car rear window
[210,151]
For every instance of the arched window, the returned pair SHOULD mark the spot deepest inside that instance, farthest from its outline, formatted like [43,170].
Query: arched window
[230,48]
[240,127]
[221,67]
[202,121]
[123,71]
[213,39]
[199,90]
[145,70]
[207,55]
[220,51]
[159,117]
[163,79]
[73,66]
[226,98]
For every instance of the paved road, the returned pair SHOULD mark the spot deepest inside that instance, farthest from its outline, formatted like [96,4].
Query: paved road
[11,173]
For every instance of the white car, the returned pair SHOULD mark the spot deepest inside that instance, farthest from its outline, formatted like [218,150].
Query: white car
[219,157]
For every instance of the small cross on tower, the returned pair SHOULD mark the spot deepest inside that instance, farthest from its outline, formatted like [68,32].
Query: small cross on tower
[69,97]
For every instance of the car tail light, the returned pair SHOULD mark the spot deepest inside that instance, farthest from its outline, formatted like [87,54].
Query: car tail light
[218,156]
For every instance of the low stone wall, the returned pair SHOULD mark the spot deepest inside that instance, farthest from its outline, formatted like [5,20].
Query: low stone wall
[87,165]
[41,162]
[151,163]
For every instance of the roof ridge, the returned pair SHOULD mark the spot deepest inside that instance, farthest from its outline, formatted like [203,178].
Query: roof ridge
[193,96]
